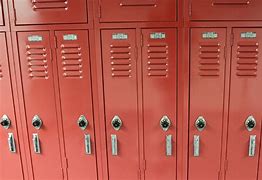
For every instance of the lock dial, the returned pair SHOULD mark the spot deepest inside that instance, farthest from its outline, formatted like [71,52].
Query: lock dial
[250,123]
[165,123]
[82,122]
[37,122]
[116,123]
[200,123]
[5,122]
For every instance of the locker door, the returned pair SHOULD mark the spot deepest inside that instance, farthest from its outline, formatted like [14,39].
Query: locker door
[76,101]
[138,10]
[37,78]
[211,9]
[206,102]
[159,91]
[120,89]
[10,162]
[1,14]
[245,105]
[50,11]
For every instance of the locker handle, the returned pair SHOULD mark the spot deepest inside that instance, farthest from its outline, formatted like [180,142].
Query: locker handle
[131,3]
[242,3]
[11,142]
[169,147]
[88,144]
[114,145]
[196,146]
[36,143]
[252,146]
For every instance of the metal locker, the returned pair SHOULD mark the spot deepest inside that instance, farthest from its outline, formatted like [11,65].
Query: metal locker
[39,97]
[30,12]
[138,10]
[10,161]
[76,101]
[120,90]
[245,114]
[1,13]
[206,102]
[211,10]
[159,99]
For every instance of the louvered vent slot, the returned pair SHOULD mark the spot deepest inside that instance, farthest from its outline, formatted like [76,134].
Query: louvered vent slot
[50,5]
[209,64]
[157,64]
[121,60]
[247,58]
[1,72]
[72,61]
[37,61]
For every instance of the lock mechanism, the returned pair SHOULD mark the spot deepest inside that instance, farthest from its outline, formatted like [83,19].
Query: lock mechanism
[250,123]
[5,122]
[200,123]
[165,123]
[37,122]
[116,123]
[82,122]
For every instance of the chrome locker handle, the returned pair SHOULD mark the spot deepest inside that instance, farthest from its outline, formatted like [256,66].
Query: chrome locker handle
[252,146]
[114,145]
[88,144]
[169,147]
[11,143]
[196,146]
[36,142]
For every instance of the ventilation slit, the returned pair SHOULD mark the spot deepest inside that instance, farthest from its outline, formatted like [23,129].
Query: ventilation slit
[1,72]
[37,61]
[50,5]
[121,60]
[247,58]
[209,64]
[157,64]
[72,61]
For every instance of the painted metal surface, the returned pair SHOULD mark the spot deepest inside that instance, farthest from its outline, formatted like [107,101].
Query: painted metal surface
[76,102]
[138,10]
[206,102]
[120,91]
[246,77]
[159,54]
[39,97]
[222,10]
[10,161]
[1,14]
[50,11]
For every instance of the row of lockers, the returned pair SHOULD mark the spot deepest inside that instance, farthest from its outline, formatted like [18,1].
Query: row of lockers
[65,62]
[35,12]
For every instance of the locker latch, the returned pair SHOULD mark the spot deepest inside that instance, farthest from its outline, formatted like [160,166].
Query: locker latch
[5,122]
[165,123]
[200,123]
[82,122]
[116,123]
[250,123]
[37,122]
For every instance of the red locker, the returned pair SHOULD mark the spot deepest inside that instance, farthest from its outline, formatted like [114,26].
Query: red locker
[222,9]
[138,10]
[29,12]
[39,97]
[206,102]
[10,161]
[159,91]
[1,14]
[120,90]
[76,102]
[245,106]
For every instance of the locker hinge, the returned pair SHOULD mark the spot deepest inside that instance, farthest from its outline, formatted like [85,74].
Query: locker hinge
[66,163]
[219,175]
[226,165]
[55,42]
[190,9]
[143,168]
[142,40]
[231,39]
[99,11]
[15,18]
